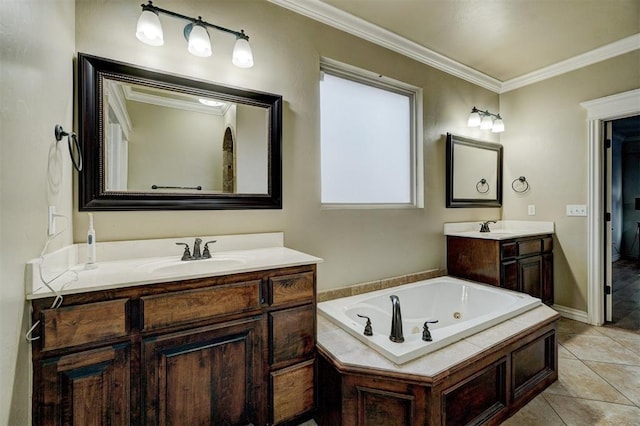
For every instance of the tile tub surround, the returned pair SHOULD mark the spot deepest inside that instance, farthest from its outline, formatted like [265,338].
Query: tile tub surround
[502,230]
[370,286]
[124,263]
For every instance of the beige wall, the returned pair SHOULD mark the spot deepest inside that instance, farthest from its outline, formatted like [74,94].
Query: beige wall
[36,92]
[357,245]
[546,140]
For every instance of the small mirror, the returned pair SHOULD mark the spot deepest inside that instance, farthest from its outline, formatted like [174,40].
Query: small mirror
[474,173]
[157,141]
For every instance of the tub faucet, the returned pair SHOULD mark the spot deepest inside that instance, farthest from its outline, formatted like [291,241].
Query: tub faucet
[396,320]
[484,226]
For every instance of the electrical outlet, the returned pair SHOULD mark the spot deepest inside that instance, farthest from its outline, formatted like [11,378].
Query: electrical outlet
[531,209]
[51,228]
[576,210]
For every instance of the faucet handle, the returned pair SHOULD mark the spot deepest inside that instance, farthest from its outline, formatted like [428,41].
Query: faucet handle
[426,334]
[206,253]
[187,254]
[368,330]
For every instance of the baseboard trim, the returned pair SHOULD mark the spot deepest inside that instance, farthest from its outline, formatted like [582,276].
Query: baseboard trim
[572,313]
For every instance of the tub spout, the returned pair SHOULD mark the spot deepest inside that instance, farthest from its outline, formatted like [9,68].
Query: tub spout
[396,321]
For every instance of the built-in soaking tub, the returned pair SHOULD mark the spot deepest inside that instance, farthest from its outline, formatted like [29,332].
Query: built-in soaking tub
[462,308]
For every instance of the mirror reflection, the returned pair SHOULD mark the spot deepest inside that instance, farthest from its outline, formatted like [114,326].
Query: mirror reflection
[164,141]
[152,140]
[474,173]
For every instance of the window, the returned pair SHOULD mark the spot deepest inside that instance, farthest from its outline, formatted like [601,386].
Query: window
[371,133]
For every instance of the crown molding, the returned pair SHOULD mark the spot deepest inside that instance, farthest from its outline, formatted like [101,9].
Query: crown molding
[358,27]
[334,17]
[603,53]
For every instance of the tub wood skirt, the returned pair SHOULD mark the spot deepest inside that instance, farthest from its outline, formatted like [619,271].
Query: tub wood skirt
[485,388]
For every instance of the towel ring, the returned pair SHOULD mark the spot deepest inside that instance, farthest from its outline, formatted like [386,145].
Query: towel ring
[75,159]
[481,184]
[521,187]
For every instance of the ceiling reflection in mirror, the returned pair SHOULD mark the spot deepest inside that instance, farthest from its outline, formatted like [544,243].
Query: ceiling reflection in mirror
[158,140]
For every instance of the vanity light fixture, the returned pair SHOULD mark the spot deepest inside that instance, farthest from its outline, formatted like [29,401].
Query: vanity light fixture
[485,120]
[149,31]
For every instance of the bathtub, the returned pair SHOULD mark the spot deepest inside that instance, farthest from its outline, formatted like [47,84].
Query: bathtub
[461,307]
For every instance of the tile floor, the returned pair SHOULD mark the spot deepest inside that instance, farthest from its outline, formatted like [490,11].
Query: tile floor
[626,294]
[598,380]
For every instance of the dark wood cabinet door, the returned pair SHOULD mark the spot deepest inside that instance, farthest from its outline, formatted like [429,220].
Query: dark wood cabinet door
[208,376]
[530,276]
[509,272]
[85,388]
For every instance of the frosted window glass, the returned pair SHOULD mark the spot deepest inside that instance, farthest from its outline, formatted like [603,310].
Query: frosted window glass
[366,143]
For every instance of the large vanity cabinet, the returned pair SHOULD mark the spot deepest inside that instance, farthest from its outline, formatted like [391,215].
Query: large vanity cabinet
[521,264]
[230,350]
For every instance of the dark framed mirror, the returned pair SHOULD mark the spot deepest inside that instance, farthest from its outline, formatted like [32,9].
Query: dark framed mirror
[158,141]
[474,173]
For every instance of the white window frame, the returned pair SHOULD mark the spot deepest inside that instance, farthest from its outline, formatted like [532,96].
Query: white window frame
[414,93]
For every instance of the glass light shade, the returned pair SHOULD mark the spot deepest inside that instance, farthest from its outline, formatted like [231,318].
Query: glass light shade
[486,122]
[474,120]
[242,55]
[149,29]
[199,42]
[498,126]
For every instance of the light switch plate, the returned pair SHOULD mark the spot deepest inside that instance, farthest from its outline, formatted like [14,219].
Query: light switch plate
[531,209]
[576,210]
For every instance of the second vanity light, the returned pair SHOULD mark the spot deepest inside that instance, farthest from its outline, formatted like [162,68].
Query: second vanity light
[485,120]
[149,31]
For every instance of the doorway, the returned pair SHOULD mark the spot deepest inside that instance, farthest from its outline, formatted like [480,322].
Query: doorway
[622,261]
[608,108]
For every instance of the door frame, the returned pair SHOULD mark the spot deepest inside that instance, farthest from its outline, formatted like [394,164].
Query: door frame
[599,110]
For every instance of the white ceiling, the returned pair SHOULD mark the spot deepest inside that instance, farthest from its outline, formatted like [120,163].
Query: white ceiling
[499,44]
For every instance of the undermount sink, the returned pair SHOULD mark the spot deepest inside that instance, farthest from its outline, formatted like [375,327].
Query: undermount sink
[176,265]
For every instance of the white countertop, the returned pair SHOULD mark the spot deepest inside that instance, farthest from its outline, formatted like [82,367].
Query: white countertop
[120,263]
[501,230]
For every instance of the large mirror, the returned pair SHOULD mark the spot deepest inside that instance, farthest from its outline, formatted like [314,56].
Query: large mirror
[474,173]
[158,141]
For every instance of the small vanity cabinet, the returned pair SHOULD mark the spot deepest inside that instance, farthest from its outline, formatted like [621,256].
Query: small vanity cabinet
[522,264]
[234,349]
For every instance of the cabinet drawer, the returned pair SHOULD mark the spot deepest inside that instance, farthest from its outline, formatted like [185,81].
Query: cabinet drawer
[193,305]
[289,288]
[547,244]
[77,325]
[292,334]
[293,391]
[529,247]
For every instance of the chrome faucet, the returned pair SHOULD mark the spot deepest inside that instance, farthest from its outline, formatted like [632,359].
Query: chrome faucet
[484,226]
[396,320]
